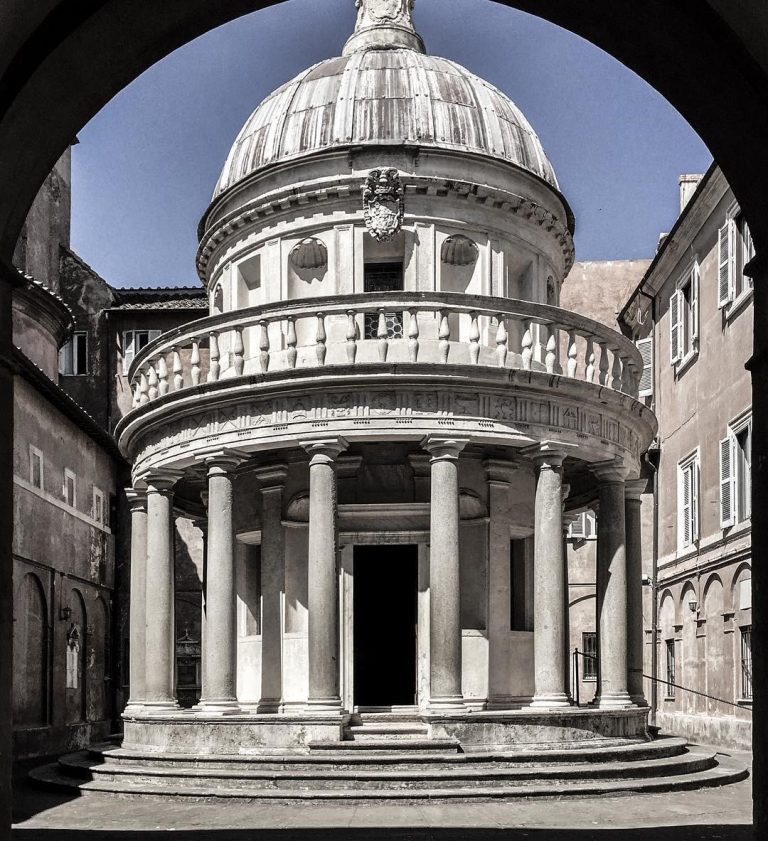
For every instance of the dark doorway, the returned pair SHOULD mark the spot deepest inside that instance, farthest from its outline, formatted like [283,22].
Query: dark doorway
[385,625]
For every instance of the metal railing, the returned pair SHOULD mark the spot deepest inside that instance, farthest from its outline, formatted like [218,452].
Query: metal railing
[436,328]
[592,657]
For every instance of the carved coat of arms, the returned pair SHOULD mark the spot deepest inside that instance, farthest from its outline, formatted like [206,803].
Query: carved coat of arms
[383,203]
[376,11]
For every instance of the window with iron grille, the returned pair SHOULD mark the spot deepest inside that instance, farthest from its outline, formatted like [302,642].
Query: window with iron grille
[589,647]
[384,277]
[670,646]
[746,661]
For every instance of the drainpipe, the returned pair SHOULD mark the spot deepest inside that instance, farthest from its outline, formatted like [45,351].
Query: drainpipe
[652,460]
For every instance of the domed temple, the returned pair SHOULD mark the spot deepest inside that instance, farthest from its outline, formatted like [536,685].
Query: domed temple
[383,428]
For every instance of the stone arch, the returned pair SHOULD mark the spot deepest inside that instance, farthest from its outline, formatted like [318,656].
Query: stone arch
[75,659]
[98,657]
[718,660]
[668,613]
[687,596]
[30,653]
[713,599]
[743,571]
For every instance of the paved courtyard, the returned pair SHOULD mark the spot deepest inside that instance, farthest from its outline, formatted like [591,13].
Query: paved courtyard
[706,815]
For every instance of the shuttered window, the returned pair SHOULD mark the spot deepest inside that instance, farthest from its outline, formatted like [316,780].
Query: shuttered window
[734,251]
[684,316]
[727,482]
[675,328]
[135,341]
[645,346]
[725,259]
[688,501]
[736,473]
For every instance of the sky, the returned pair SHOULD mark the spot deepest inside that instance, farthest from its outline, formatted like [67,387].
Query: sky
[145,166]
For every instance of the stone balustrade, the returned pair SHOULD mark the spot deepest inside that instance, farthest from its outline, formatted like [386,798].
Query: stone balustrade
[386,328]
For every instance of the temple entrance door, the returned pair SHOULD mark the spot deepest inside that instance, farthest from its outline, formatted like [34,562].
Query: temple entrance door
[384,610]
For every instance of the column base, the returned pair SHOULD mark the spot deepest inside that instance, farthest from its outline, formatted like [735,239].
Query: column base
[151,707]
[447,704]
[639,700]
[223,707]
[133,708]
[323,706]
[268,706]
[617,701]
[550,699]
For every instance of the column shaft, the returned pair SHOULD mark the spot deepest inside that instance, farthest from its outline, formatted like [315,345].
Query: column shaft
[612,596]
[160,648]
[219,694]
[138,597]
[323,598]
[635,631]
[444,580]
[549,585]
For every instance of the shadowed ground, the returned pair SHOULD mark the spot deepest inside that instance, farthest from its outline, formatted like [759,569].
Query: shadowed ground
[706,815]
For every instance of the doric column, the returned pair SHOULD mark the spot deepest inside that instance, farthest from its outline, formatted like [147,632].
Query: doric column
[568,519]
[444,585]
[633,491]
[323,597]
[219,666]
[272,480]
[549,580]
[202,524]
[499,475]
[137,499]
[611,588]
[159,683]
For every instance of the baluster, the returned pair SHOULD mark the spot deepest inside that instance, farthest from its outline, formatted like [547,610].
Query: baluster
[413,336]
[178,371]
[152,379]
[616,372]
[238,351]
[291,341]
[136,394]
[195,361]
[527,353]
[572,353]
[603,376]
[551,360]
[162,373]
[351,337]
[502,341]
[264,346]
[474,340]
[382,334]
[626,375]
[144,389]
[445,336]
[320,348]
[589,358]
[214,369]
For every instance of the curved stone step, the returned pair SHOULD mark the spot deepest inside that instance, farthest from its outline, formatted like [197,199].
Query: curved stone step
[375,746]
[437,776]
[51,776]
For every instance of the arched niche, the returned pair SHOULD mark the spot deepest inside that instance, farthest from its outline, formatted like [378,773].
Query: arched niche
[30,653]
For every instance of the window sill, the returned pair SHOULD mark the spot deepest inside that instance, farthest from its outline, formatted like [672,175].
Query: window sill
[735,307]
[744,702]
[686,361]
[669,698]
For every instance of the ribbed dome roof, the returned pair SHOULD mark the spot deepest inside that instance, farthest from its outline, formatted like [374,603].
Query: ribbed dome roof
[384,96]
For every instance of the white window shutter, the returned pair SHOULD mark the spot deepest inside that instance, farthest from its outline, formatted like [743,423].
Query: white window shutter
[695,500]
[577,527]
[675,328]
[129,349]
[645,346]
[727,483]
[725,279]
[695,302]
[684,495]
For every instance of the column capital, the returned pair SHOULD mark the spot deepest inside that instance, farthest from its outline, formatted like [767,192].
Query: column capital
[271,477]
[442,449]
[609,472]
[325,450]
[634,489]
[161,480]
[548,454]
[137,498]
[500,471]
[222,460]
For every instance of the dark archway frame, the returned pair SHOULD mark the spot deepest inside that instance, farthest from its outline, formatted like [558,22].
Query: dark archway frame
[62,60]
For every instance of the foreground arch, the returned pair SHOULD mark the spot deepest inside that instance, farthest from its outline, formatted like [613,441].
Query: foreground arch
[62,60]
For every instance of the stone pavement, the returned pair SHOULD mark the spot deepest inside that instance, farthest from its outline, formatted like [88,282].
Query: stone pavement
[705,815]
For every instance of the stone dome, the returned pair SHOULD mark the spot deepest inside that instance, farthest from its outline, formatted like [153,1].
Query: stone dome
[383,91]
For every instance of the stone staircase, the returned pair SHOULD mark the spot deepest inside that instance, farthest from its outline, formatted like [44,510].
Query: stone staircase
[390,759]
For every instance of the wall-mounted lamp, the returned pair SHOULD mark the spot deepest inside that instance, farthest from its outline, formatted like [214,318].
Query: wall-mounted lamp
[693,606]
[65,613]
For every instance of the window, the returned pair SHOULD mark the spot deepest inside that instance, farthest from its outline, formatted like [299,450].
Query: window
[73,356]
[584,528]
[688,501]
[735,249]
[736,473]
[684,317]
[645,346]
[97,506]
[670,670]
[70,488]
[589,647]
[36,467]
[384,277]
[133,342]
[519,614]
[745,594]
[746,662]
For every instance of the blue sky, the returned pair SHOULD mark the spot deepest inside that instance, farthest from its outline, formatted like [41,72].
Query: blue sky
[146,165]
